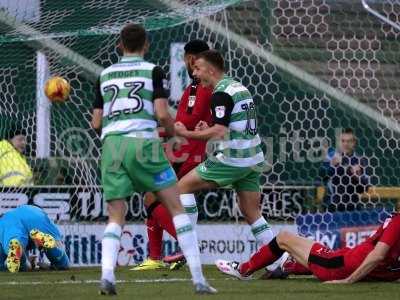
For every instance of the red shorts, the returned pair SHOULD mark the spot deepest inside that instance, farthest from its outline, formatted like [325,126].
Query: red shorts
[181,169]
[327,264]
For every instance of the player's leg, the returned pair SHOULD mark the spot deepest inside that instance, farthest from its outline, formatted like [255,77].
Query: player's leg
[189,184]
[15,256]
[12,266]
[111,238]
[196,180]
[186,236]
[42,239]
[154,173]
[154,234]
[298,247]
[3,257]
[57,256]
[47,237]
[291,267]
[249,204]
[193,182]
[188,200]
[159,214]
[117,187]
[247,187]
[159,219]
[154,231]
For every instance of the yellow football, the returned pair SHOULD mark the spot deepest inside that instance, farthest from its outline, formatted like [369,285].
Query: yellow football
[57,89]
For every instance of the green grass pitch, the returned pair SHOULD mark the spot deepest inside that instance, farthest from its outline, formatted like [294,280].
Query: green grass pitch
[163,284]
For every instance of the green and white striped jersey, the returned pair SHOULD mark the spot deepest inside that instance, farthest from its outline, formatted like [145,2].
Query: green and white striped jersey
[233,106]
[128,89]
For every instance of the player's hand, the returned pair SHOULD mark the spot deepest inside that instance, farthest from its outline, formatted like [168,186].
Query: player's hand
[356,170]
[180,128]
[32,259]
[162,132]
[336,160]
[341,281]
[201,126]
[177,143]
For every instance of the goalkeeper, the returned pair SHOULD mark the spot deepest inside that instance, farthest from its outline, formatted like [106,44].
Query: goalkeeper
[26,228]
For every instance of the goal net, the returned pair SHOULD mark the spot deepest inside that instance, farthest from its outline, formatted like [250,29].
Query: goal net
[314,67]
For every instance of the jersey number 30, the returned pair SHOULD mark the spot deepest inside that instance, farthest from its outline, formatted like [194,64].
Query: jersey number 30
[251,125]
[135,101]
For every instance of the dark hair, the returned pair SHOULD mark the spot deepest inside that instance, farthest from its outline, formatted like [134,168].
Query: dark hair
[213,57]
[347,131]
[133,37]
[196,47]
[14,131]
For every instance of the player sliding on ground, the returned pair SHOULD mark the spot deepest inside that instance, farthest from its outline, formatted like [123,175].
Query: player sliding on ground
[237,158]
[133,98]
[377,258]
[26,228]
[194,107]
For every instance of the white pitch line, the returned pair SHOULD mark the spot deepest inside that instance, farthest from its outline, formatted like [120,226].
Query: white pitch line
[96,281]
[92,281]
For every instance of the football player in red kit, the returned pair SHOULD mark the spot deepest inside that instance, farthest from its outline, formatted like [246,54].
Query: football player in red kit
[193,109]
[377,258]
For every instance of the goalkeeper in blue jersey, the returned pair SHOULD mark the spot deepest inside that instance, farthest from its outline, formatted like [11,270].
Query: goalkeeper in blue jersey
[26,228]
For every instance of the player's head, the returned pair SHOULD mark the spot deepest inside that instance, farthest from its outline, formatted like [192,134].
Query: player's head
[18,140]
[209,67]
[192,50]
[133,39]
[348,141]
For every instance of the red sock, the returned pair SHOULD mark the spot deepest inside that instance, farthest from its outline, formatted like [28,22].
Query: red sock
[164,219]
[265,256]
[155,233]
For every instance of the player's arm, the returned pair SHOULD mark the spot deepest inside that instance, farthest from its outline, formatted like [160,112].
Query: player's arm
[96,118]
[370,262]
[388,239]
[160,100]
[163,116]
[214,132]
[201,110]
[327,169]
[97,109]
[221,109]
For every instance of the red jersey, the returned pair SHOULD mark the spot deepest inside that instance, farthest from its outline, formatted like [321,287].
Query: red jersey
[388,233]
[194,106]
[327,264]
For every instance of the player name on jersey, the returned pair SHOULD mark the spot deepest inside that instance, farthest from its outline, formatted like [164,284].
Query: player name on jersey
[127,91]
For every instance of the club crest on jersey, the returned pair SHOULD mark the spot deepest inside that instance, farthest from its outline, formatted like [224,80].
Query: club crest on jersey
[220,111]
[165,84]
[192,100]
